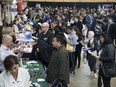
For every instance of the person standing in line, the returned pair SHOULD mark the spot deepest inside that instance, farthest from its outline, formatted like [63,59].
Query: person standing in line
[13,75]
[89,21]
[78,47]
[58,68]
[111,30]
[107,58]
[72,41]
[94,47]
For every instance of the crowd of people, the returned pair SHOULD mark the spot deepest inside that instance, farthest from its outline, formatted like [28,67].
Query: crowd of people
[60,34]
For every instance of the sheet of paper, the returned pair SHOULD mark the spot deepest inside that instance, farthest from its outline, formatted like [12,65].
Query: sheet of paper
[86,49]
[40,80]
[66,36]
[91,53]
[32,62]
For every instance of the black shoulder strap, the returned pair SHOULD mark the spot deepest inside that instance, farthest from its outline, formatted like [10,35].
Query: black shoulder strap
[115,55]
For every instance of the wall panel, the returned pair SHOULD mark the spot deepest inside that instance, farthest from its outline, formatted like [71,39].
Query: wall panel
[93,1]
[58,0]
[111,0]
[71,0]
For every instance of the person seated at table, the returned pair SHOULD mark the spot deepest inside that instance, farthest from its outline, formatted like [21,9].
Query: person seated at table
[14,76]
[5,50]
[9,31]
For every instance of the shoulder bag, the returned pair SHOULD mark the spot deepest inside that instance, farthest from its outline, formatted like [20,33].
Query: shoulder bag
[109,72]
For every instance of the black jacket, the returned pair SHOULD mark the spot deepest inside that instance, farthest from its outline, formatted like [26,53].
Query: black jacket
[107,56]
[44,45]
[96,47]
[58,67]
[112,31]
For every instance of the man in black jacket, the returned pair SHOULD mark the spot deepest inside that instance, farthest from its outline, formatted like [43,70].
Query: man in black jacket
[111,30]
[58,68]
[44,44]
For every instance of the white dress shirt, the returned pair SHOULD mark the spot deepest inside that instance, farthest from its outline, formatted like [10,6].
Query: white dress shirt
[7,80]
[4,52]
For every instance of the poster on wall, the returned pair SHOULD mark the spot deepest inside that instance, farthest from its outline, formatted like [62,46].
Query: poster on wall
[38,5]
[105,7]
[108,7]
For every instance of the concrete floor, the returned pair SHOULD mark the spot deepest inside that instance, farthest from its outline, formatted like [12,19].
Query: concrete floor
[80,79]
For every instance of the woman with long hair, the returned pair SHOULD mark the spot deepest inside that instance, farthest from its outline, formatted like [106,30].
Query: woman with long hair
[78,46]
[107,58]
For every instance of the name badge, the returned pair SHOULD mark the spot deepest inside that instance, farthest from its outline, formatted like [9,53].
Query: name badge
[45,39]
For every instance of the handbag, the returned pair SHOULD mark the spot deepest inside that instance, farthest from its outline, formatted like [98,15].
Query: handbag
[69,47]
[109,72]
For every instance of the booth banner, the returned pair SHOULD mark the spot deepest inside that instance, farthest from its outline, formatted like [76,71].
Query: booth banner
[19,5]
[14,8]
[14,11]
